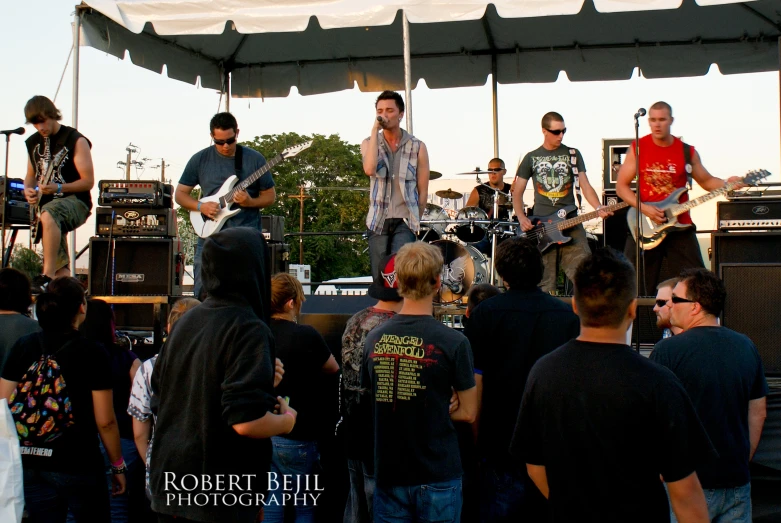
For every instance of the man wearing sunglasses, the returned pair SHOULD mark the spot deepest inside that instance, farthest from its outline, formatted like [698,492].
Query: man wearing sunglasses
[723,374]
[65,199]
[664,292]
[210,167]
[556,170]
[483,196]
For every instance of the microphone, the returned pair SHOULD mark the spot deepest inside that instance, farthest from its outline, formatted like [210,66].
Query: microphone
[379,119]
[18,130]
[640,112]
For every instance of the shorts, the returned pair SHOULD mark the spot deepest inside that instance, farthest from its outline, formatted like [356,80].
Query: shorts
[69,213]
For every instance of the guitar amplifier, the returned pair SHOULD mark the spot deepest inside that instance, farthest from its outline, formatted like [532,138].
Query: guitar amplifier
[748,214]
[273,228]
[135,222]
[16,209]
[127,193]
[135,266]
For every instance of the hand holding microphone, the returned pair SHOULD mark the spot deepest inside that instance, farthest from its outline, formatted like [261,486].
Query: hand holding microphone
[380,123]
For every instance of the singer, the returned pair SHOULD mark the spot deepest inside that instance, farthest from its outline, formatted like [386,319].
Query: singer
[65,201]
[557,172]
[666,164]
[398,167]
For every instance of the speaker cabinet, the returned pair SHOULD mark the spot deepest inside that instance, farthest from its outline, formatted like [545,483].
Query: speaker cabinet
[135,266]
[751,307]
[614,228]
[745,247]
[278,257]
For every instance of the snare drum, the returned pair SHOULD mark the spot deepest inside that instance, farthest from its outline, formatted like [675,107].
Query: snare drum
[464,266]
[434,231]
[471,232]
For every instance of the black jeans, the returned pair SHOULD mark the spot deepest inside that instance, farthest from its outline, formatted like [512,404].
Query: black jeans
[679,250]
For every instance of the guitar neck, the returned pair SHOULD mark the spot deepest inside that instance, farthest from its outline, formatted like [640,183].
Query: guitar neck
[572,222]
[252,178]
[681,208]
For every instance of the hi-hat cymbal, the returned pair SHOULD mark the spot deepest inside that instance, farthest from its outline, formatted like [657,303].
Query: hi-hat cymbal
[433,175]
[477,170]
[449,194]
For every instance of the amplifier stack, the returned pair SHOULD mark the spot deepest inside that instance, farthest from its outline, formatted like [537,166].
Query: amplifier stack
[16,208]
[136,258]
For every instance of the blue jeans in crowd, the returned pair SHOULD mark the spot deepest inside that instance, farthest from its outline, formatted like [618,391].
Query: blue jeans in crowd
[360,500]
[297,459]
[49,496]
[726,505]
[502,494]
[440,502]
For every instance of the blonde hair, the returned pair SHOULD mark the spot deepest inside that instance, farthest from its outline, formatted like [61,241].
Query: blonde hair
[179,308]
[284,288]
[417,266]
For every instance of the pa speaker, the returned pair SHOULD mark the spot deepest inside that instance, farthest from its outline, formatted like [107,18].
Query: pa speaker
[751,307]
[745,247]
[135,266]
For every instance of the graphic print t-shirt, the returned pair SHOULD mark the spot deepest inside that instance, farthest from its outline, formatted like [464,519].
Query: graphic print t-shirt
[662,170]
[411,364]
[552,173]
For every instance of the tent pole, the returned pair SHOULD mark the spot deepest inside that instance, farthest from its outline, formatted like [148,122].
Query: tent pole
[495,105]
[75,116]
[779,76]
[227,91]
[407,73]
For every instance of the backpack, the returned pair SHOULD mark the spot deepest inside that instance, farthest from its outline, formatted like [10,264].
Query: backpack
[40,405]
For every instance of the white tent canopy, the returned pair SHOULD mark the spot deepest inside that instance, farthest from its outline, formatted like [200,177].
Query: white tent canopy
[322,46]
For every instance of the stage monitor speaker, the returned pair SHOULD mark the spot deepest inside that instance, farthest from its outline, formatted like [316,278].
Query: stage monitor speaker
[614,228]
[751,307]
[745,247]
[135,266]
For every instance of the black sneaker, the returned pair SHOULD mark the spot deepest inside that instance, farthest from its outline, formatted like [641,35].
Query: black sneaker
[39,284]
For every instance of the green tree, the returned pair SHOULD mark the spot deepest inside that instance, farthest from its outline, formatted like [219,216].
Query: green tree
[329,162]
[26,260]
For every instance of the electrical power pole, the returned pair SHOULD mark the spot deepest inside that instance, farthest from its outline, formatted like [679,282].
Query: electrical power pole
[300,197]
[162,167]
[130,162]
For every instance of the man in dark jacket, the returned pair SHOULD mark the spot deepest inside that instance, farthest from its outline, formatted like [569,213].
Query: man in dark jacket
[213,385]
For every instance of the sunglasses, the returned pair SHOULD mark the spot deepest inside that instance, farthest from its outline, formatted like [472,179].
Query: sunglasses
[557,131]
[496,169]
[661,303]
[229,141]
[678,299]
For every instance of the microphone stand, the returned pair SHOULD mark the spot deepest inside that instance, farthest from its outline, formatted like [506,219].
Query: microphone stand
[638,225]
[5,259]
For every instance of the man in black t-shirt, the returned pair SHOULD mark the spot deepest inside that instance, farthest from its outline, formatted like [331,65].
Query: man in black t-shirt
[556,171]
[723,374]
[412,364]
[599,423]
[63,189]
[508,333]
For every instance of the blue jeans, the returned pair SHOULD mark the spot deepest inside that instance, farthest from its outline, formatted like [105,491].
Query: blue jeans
[296,459]
[360,500]
[395,234]
[435,502]
[502,494]
[197,285]
[50,495]
[726,505]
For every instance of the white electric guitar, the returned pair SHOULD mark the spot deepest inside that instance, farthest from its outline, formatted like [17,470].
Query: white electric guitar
[205,227]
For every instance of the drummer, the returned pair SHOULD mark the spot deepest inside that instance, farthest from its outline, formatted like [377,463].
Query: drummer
[483,196]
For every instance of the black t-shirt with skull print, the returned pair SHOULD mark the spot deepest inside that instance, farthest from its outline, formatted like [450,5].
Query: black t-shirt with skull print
[553,174]
[42,150]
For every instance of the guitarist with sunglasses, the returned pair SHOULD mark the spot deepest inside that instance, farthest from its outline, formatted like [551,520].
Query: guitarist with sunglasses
[556,170]
[57,185]
[665,165]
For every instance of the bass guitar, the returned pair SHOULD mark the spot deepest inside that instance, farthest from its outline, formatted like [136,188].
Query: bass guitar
[547,229]
[204,226]
[652,233]
[35,210]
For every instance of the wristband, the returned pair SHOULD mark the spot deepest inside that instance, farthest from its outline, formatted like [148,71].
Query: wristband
[119,470]
[59,188]
[199,207]
[119,463]
[288,413]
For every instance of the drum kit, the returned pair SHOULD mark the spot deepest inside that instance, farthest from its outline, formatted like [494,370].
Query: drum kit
[465,265]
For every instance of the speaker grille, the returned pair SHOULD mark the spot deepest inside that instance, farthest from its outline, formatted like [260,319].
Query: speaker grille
[139,266]
[752,309]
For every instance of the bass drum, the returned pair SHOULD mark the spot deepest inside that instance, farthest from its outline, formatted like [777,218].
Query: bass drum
[471,233]
[434,231]
[464,267]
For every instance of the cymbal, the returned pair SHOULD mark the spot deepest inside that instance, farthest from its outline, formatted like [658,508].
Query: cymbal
[477,170]
[433,175]
[449,194]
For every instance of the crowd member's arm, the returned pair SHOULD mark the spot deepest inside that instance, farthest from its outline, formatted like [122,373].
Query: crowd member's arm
[270,424]
[464,384]
[142,433]
[687,500]
[540,478]
[467,406]
[423,173]
[757,412]
[279,372]
[134,369]
[330,366]
[106,421]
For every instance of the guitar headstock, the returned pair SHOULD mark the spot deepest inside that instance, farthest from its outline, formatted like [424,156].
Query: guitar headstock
[293,151]
[753,177]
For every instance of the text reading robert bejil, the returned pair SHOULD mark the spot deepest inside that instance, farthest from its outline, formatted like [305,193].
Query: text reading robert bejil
[245,490]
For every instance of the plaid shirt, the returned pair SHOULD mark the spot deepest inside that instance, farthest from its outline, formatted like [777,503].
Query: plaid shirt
[380,190]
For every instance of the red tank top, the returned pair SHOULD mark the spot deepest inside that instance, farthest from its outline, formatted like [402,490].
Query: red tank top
[662,170]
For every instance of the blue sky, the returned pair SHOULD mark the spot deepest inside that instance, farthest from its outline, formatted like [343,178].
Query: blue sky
[732,120]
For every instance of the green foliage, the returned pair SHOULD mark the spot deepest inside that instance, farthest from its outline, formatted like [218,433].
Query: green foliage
[329,162]
[26,260]
[186,232]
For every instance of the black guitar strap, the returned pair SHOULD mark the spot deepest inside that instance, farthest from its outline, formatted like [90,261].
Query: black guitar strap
[687,158]
[237,161]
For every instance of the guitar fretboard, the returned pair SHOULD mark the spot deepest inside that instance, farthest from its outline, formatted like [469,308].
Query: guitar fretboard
[252,178]
[572,222]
